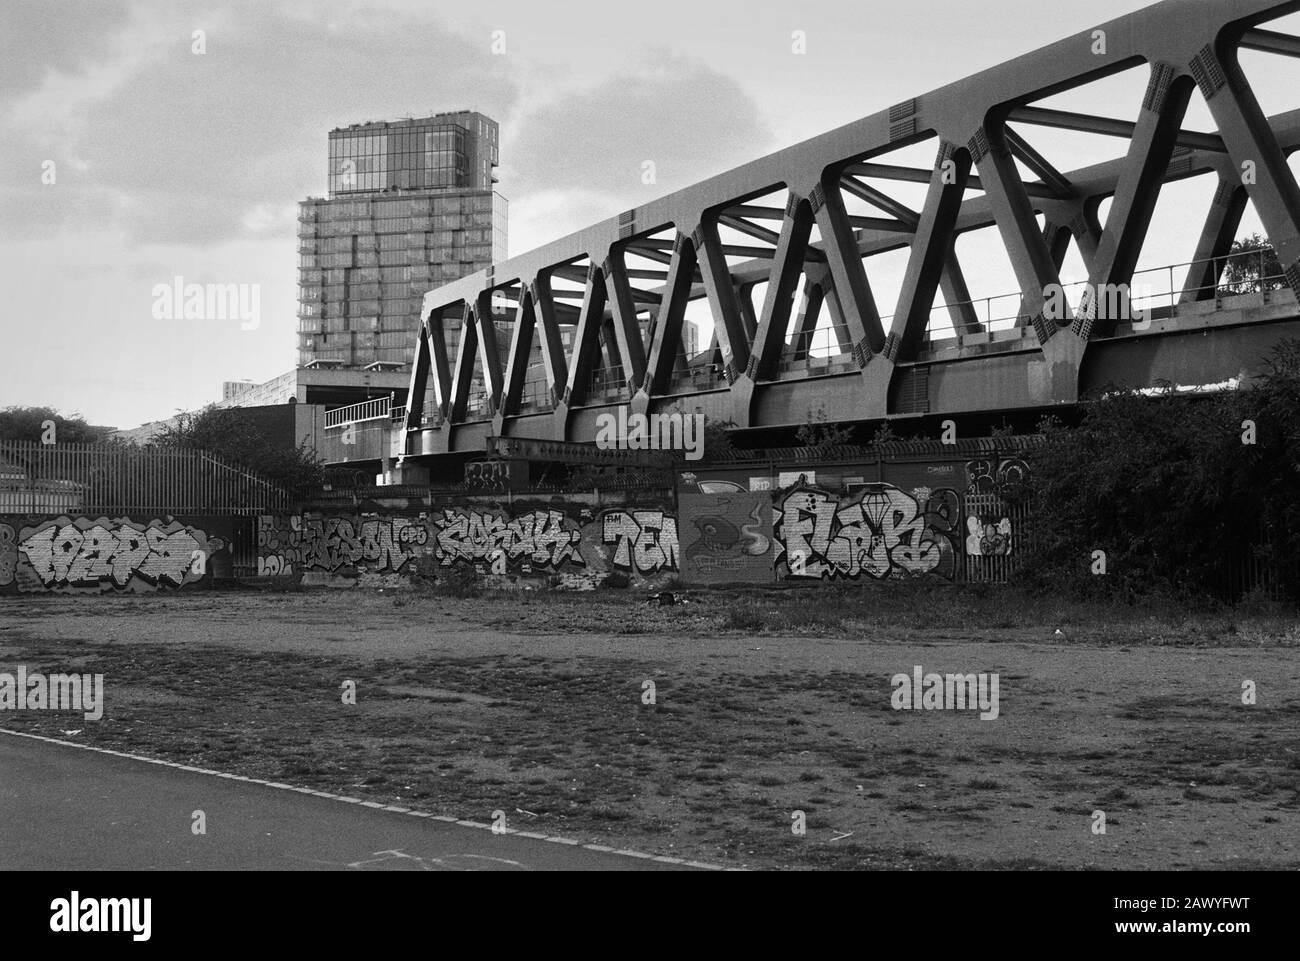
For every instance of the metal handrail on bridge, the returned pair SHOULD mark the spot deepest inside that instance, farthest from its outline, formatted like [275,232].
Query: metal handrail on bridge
[1141,297]
[377,409]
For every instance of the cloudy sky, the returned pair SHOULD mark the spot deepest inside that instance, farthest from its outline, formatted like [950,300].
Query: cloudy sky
[169,162]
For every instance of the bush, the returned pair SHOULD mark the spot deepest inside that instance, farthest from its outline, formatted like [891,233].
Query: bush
[1165,486]
[229,433]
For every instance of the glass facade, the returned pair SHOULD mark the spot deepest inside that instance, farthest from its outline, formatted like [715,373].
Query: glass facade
[411,207]
[453,150]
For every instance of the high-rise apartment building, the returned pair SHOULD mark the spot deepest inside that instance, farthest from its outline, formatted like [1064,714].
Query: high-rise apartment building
[411,206]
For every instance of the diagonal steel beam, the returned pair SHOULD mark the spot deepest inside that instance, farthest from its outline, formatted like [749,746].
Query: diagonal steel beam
[548,329]
[463,374]
[1270,41]
[1255,153]
[848,276]
[1107,126]
[521,349]
[930,253]
[787,268]
[904,214]
[415,395]
[753,230]
[489,355]
[1217,234]
[1014,214]
[1154,138]
[721,291]
[627,331]
[666,335]
[441,366]
[1035,161]
[754,212]
[957,295]
[586,339]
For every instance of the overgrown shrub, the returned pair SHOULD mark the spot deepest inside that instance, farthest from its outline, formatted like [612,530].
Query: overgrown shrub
[1168,487]
[230,433]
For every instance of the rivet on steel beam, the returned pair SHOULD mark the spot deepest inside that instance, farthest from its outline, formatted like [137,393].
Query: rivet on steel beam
[891,346]
[1162,78]
[946,150]
[817,199]
[1208,73]
[1043,329]
[901,111]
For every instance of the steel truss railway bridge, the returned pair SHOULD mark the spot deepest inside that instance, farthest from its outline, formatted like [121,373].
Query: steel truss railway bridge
[598,316]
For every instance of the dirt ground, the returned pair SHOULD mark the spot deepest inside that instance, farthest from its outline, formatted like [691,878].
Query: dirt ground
[536,706]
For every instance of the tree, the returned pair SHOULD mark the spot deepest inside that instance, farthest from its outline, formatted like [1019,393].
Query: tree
[717,440]
[228,433]
[29,423]
[1251,266]
[1174,490]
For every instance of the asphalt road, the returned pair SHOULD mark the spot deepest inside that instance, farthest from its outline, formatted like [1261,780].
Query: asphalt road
[63,808]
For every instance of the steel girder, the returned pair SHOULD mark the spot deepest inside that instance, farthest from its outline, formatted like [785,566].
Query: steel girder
[1184,44]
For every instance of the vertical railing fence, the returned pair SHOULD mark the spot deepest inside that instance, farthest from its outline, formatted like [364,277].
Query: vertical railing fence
[38,478]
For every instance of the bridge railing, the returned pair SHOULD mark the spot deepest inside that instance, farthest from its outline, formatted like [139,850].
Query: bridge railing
[1156,288]
[700,378]
[378,409]
[535,396]
[607,383]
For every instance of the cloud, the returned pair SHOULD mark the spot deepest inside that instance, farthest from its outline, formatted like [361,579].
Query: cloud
[546,215]
[179,147]
[40,38]
[680,113]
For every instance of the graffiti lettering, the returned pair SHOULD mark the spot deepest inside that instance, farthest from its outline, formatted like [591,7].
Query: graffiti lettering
[646,540]
[118,554]
[880,531]
[487,475]
[540,538]
[989,475]
[333,543]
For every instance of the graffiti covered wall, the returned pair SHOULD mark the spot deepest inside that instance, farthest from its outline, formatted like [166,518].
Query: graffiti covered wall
[96,555]
[877,532]
[567,543]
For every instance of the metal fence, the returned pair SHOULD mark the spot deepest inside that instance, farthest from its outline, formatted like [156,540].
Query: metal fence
[40,478]
[995,536]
